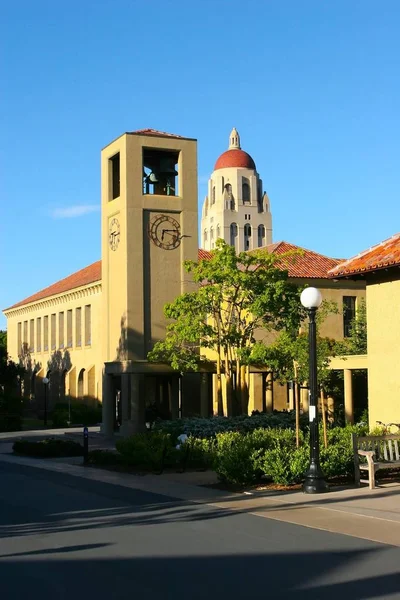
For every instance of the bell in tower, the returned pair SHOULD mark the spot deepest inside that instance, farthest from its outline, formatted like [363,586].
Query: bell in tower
[159,172]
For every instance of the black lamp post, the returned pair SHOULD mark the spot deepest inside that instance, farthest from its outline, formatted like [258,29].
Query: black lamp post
[45,383]
[314,480]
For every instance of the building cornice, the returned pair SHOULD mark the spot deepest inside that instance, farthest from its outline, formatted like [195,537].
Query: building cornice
[71,295]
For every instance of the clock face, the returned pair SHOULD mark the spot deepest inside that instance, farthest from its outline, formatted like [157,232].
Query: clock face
[114,234]
[165,232]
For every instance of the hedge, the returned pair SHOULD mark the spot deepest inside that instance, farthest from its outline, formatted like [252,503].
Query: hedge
[238,458]
[50,448]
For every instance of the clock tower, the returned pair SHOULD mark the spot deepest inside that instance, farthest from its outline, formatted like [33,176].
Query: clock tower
[149,228]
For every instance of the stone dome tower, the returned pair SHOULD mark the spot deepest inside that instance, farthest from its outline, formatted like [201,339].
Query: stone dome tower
[236,209]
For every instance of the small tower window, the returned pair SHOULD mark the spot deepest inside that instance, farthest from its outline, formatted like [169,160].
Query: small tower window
[212,237]
[205,235]
[213,195]
[233,234]
[115,176]
[247,236]
[246,191]
[218,232]
[261,236]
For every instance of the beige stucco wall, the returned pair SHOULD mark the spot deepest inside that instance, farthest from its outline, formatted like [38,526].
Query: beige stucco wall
[383,309]
[74,357]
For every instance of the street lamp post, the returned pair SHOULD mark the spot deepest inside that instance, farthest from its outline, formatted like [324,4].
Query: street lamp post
[45,383]
[314,480]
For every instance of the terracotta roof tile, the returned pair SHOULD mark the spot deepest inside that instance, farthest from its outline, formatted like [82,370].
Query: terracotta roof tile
[83,277]
[156,133]
[306,264]
[385,254]
[204,254]
[235,158]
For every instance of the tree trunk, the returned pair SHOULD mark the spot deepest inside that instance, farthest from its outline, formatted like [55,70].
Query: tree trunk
[244,391]
[220,403]
[229,391]
[323,411]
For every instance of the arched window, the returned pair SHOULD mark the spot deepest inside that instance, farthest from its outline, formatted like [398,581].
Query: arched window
[261,235]
[213,195]
[234,233]
[80,384]
[218,232]
[247,236]
[246,191]
[223,184]
[205,235]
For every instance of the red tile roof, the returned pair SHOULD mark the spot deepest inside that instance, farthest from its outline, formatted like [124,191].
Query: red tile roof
[385,254]
[156,133]
[81,278]
[204,254]
[307,264]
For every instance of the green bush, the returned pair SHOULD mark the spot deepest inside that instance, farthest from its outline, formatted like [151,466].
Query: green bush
[81,414]
[50,448]
[209,427]
[196,453]
[105,458]
[148,450]
[285,465]
[11,411]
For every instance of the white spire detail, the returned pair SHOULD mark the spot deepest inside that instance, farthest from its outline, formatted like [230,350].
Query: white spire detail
[234,140]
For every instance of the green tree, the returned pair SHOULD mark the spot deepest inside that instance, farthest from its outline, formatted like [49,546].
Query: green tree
[9,370]
[236,296]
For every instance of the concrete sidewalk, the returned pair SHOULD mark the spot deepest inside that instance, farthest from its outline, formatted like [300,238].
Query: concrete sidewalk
[358,512]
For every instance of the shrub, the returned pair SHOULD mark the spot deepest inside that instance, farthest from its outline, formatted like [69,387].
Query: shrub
[105,458]
[209,427]
[81,414]
[50,448]
[196,453]
[11,410]
[285,465]
[146,450]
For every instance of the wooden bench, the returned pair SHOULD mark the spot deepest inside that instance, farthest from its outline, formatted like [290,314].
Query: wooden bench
[380,452]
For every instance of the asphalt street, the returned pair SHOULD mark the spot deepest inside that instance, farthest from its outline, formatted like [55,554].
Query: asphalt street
[64,537]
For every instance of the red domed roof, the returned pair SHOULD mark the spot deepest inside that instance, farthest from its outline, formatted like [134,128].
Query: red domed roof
[235,158]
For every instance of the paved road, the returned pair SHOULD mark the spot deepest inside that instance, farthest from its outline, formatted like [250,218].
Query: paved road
[63,537]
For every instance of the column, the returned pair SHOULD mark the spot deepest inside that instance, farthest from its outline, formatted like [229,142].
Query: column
[255,392]
[107,426]
[125,397]
[269,393]
[348,396]
[137,422]
[305,399]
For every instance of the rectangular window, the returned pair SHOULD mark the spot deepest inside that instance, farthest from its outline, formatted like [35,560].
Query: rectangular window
[19,337]
[349,312]
[69,329]
[88,325]
[53,331]
[46,333]
[61,330]
[38,334]
[32,335]
[115,176]
[78,327]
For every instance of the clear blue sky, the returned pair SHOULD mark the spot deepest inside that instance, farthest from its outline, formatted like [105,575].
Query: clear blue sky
[313,87]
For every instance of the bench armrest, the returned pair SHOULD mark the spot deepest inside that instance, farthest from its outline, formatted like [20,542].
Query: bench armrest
[370,453]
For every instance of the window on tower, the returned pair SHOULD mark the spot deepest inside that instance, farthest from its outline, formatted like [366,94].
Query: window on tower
[213,195]
[233,236]
[160,174]
[115,177]
[247,236]
[261,235]
[246,197]
[218,232]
